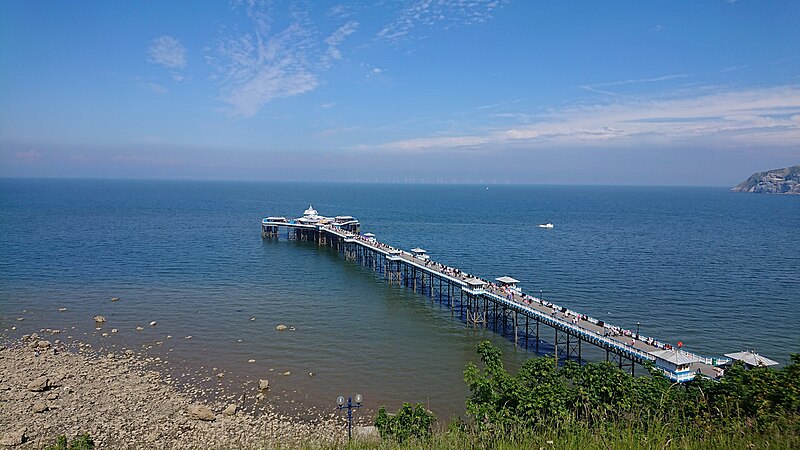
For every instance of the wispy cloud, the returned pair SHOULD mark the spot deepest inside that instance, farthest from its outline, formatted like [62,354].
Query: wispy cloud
[157,88]
[340,11]
[600,87]
[254,71]
[337,37]
[28,155]
[444,13]
[167,51]
[257,67]
[744,117]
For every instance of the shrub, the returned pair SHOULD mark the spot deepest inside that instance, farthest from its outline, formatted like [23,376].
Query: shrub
[410,421]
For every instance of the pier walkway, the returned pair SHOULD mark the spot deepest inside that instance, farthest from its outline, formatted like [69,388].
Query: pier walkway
[502,305]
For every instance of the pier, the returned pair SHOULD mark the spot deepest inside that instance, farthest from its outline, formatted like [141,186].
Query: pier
[498,305]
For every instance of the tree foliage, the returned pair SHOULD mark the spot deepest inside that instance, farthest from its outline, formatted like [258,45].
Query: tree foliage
[541,393]
[410,421]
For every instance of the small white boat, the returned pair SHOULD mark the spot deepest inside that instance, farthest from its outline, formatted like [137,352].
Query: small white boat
[546,225]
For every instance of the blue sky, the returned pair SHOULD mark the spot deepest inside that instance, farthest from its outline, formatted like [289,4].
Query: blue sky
[644,92]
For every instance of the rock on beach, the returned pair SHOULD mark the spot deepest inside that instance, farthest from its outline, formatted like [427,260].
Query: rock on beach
[12,438]
[39,384]
[201,412]
[127,401]
[39,407]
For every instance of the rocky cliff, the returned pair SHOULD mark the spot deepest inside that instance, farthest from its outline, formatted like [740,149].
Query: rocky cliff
[776,181]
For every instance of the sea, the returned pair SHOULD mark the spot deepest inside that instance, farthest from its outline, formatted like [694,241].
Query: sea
[716,270]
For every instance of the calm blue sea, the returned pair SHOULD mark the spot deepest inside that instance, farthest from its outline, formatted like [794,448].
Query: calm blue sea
[717,270]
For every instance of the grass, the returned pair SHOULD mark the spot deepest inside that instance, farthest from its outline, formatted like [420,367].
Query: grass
[616,436]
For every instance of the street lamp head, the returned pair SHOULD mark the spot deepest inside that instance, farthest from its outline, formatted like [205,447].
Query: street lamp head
[340,401]
[358,399]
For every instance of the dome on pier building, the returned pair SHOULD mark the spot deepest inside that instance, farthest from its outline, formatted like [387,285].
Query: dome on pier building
[310,211]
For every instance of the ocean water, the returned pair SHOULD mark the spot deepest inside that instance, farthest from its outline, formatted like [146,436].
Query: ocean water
[717,270]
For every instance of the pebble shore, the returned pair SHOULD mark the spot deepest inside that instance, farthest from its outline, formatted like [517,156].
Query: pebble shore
[49,389]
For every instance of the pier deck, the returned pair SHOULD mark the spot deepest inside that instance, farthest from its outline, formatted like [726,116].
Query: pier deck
[477,297]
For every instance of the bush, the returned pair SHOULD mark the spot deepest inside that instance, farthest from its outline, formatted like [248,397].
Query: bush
[409,422]
[596,394]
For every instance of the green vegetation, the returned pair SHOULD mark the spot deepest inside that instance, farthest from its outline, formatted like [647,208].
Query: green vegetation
[82,442]
[410,422]
[599,406]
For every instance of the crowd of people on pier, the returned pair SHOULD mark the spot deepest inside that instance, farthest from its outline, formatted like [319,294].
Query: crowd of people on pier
[514,294]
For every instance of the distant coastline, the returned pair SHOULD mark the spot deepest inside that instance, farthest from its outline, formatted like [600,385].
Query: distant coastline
[776,181]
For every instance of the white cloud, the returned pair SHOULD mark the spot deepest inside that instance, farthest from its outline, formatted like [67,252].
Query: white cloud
[444,13]
[339,11]
[596,87]
[157,88]
[744,117]
[438,143]
[167,51]
[255,72]
[28,155]
[338,36]
[265,64]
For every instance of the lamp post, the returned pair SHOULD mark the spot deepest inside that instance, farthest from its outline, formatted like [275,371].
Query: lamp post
[349,406]
[637,329]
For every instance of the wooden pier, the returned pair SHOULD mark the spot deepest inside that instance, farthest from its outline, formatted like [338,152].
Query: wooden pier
[528,320]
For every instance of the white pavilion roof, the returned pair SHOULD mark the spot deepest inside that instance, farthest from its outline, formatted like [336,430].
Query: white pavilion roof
[474,282]
[752,358]
[507,280]
[418,250]
[310,211]
[675,356]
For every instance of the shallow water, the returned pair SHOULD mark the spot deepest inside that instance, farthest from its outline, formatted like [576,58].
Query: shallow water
[716,270]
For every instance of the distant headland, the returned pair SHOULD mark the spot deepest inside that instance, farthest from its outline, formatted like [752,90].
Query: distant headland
[776,181]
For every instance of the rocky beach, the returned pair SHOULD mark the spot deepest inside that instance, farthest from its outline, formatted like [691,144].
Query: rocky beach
[123,399]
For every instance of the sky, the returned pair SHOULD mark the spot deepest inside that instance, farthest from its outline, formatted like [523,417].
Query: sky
[462,91]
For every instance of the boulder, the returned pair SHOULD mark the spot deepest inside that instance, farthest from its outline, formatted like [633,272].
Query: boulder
[52,396]
[281,327]
[39,384]
[287,373]
[200,412]
[14,437]
[39,407]
[99,319]
[369,434]
[263,384]
[43,344]
[153,323]
[114,299]
[230,410]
